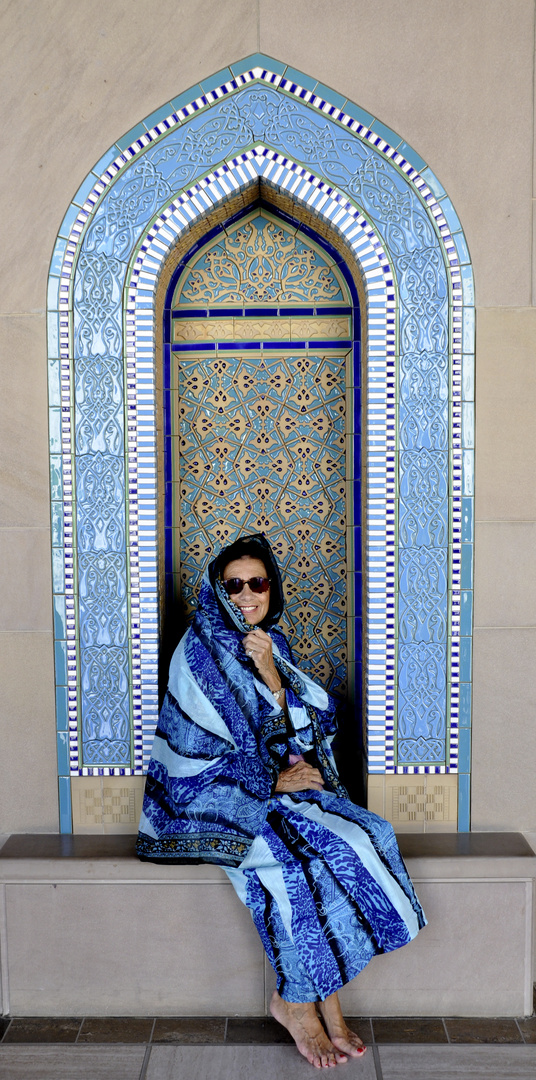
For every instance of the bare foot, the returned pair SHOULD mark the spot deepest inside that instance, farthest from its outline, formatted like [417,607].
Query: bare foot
[340,1034]
[301,1021]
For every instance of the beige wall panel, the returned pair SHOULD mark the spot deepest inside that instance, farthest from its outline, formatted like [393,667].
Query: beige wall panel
[74,78]
[28,784]
[504,732]
[451,79]
[24,490]
[25,580]
[505,581]
[506,407]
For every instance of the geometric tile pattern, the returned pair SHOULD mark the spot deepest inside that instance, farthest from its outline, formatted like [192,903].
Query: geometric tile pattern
[381,198]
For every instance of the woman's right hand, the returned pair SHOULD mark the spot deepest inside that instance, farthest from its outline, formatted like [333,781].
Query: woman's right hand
[298,778]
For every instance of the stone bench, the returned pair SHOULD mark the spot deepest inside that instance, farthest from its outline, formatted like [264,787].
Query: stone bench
[87,929]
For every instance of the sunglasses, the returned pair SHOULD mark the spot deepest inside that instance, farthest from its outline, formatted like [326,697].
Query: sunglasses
[234,585]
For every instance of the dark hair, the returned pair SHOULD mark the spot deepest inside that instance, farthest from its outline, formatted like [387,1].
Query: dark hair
[240,549]
[257,547]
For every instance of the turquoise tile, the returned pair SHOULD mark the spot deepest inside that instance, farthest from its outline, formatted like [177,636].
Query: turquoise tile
[468,426]
[358,114]
[84,190]
[467,519]
[466,619]
[461,247]
[433,183]
[469,330]
[54,430]
[468,485]
[386,133]
[62,742]
[412,156]
[464,802]
[68,221]
[102,164]
[303,80]
[464,750]
[60,657]
[58,580]
[468,377]
[184,99]
[53,293]
[258,60]
[56,477]
[53,334]
[62,720]
[466,653]
[58,254]
[64,792]
[130,137]
[54,392]
[468,285]
[56,516]
[326,92]
[60,625]
[467,566]
[158,115]
[218,79]
[451,216]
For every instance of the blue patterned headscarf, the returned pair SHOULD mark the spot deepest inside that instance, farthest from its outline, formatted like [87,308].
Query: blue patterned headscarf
[222,737]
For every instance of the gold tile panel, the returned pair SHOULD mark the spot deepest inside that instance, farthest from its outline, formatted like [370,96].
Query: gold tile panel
[106,804]
[244,329]
[416,803]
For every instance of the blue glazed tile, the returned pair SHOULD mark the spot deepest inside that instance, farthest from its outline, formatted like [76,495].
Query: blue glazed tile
[54,430]
[464,750]
[461,247]
[325,92]
[58,580]
[130,137]
[356,632]
[357,363]
[62,722]
[468,285]
[468,426]
[64,792]
[60,659]
[62,742]
[469,329]
[56,515]
[185,98]
[358,114]
[451,216]
[56,483]
[466,616]
[464,802]
[467,566]
[258,60]
[433,182]
[60,627]
[465,695]
[468,472]
[467,519]
[84,189]
[303,80]
[68,221]
[385,132]
[468,377]
[356,458]
[53,293]
[412,156]
[53,334]
[102,164]
[54,392]
[56,261]
[218,79]
[158,115]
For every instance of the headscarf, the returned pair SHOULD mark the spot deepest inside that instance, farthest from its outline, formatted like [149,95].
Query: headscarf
[222,738]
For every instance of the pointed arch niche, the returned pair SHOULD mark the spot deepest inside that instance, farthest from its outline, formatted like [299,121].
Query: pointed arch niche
[257,131]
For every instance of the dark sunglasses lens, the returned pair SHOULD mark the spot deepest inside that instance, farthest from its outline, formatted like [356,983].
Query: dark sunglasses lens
[234,585]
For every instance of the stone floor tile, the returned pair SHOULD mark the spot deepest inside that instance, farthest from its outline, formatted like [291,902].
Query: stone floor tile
[41,1062]
[457,1062]
[243,1063]
[189,1029]
[464,1029]
[4,1024]
[116,1029]
[256,1029]
[409,1029]
[527,1025]
[40,1029]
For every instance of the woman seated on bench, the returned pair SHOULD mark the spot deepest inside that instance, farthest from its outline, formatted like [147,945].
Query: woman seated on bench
[242,775]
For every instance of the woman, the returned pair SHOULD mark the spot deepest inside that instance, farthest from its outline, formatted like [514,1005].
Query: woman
[242,775]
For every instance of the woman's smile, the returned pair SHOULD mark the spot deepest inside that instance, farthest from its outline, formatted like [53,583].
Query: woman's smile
[254,606]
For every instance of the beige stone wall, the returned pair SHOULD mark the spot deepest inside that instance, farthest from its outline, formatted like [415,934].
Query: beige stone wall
[456,80]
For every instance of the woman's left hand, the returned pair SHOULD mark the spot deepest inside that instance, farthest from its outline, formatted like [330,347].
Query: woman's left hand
[258,646]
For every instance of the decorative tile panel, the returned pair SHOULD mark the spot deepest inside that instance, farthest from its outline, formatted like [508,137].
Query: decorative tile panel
[358,180]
